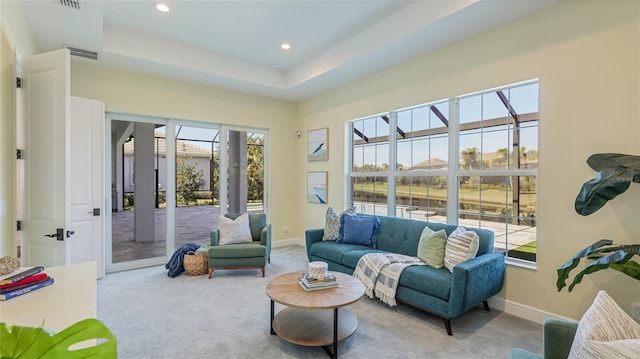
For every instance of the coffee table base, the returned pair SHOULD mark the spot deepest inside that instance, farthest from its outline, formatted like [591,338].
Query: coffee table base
[320,328]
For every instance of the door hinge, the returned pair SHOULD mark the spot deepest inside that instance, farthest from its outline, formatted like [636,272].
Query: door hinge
[18,154]
[18,225]
[19,82]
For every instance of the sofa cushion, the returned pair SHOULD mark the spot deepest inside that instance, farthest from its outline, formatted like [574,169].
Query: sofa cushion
[234,230]
[332,224]
[399,235]
[241,250]
[351,258]
[606,331]
[431,247]
[333,251]
[435,282]
[462,245]
[359,229]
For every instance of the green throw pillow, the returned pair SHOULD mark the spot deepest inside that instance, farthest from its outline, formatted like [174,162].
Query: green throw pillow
[431,247]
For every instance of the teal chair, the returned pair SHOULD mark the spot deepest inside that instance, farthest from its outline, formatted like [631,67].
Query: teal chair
[253,255]
[557,337]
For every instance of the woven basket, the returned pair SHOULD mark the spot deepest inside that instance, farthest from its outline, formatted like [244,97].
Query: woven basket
[195,264]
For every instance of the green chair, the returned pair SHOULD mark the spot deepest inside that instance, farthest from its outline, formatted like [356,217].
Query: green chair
[557,337]
[253,255]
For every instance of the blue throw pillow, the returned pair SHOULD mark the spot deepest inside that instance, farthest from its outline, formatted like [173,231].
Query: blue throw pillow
[359,229]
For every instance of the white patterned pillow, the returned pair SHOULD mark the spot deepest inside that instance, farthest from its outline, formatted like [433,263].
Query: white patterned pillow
[606,331]
[332,224]
[462,245]
[234,231]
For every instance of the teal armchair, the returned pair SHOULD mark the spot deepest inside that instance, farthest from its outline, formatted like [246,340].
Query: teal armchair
[253,255]
[557,337]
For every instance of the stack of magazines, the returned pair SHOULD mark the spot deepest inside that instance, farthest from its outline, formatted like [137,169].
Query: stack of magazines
[307,283]
[23,281]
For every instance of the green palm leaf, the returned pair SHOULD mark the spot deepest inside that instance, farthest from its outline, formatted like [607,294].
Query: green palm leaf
[615,260]
[563,272]
[615,174]
[25,342]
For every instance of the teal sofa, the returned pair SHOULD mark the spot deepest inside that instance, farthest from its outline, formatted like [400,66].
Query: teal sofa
[557,337]
[437,291]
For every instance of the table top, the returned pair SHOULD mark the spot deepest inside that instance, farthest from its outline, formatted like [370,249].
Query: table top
[71,298]
[285,290]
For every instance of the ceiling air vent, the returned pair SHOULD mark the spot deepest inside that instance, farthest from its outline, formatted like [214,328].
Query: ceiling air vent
[74,4]
[88,54]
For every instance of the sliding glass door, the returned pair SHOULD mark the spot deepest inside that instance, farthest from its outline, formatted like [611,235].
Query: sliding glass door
[197,189]
[138,191]
[170,180]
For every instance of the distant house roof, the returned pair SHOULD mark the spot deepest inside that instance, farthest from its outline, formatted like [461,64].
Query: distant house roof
[436,163]
[183,148]
[432,163]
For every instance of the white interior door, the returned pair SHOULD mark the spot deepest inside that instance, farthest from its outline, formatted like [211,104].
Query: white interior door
[87,183]
[46,92]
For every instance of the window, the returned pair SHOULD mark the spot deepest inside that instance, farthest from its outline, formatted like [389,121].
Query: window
[470,160]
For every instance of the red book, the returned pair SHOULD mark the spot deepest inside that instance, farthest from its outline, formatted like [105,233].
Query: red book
[24,273]
[40,277]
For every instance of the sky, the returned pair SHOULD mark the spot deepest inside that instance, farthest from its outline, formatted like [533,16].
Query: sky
[472,108]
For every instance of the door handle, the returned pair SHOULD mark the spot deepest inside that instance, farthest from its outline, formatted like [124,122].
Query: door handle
[59,235]
[70,233]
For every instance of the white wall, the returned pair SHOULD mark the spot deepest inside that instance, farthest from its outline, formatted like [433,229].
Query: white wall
[587,57]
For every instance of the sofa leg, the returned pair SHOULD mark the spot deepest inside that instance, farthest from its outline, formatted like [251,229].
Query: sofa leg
[486,306]
[210,272]
[262,272]
[447,325]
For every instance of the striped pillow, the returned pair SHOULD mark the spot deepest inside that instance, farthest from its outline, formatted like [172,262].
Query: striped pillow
[606,331]
[462,245]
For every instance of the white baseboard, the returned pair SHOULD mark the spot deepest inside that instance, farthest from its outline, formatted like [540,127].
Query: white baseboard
[522,311]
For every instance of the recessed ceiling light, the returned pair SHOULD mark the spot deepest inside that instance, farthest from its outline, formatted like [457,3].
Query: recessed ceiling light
[275,66]
[162,7]
[285,46]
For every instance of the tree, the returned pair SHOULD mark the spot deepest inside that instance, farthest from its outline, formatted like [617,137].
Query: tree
[470,159]
[188,180]
[255,169]
[500,161]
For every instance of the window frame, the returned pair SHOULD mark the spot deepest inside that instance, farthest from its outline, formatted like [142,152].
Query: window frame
[453,173]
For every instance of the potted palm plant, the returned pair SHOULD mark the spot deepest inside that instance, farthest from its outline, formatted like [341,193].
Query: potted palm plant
[616,172]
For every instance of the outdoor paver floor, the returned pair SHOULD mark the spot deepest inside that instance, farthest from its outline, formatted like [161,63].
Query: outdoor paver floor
[193,224]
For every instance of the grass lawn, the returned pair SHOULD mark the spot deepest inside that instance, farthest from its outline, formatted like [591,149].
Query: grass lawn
[492,197]
[526,251]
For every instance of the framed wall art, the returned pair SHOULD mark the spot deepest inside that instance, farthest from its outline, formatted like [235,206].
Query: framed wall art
[318,145]
[317,187]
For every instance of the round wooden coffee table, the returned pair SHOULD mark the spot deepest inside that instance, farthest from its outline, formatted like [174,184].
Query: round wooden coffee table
[314,318]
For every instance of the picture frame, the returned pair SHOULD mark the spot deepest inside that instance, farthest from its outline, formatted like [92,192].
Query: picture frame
[317,189]
[318,144]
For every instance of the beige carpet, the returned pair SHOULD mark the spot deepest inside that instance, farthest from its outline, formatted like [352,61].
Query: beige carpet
[154,316]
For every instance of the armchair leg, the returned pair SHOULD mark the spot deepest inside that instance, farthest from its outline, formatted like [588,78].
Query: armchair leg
[447,325]
[262,271]
[486,306]
[210,272]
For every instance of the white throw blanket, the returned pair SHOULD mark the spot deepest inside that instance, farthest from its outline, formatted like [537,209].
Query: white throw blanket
[380,273]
